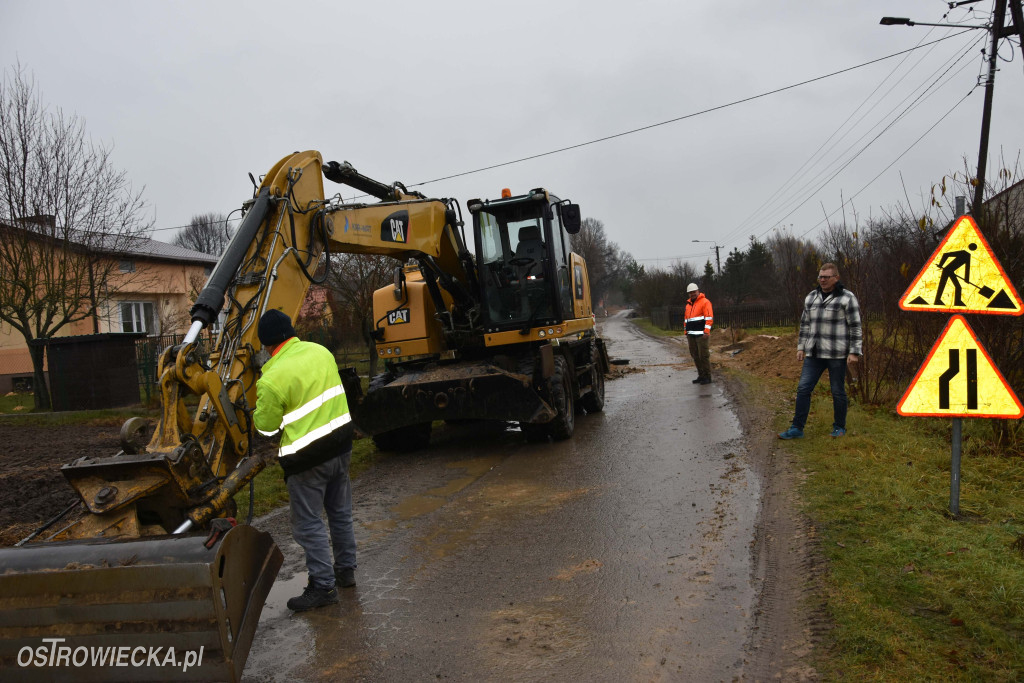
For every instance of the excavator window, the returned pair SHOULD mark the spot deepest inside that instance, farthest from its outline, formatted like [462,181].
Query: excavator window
[516,270]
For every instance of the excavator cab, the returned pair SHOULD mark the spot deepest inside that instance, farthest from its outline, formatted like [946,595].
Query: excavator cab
[524,254]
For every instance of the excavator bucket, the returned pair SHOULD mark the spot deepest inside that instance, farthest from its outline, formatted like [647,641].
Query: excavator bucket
[164,608]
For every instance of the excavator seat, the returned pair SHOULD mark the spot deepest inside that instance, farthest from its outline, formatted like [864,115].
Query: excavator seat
[530,246]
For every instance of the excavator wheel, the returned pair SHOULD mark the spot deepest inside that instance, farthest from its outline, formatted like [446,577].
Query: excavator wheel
[404,439]
[563,398]
[593,400]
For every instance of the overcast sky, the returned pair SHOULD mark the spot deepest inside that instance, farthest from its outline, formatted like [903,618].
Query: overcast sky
[195,95]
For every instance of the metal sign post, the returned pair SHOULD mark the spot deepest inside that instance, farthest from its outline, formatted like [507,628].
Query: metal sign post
[954,472]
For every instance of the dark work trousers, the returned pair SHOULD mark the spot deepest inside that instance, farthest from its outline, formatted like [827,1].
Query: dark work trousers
[701,353]
[325,487]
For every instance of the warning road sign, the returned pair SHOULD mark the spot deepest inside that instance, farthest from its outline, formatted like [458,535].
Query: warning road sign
[963,276]
[958,379]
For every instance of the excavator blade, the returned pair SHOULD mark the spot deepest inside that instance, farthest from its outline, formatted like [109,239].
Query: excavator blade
[153,609]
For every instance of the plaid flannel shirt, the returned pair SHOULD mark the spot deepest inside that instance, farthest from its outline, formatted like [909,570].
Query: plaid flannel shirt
[830,324]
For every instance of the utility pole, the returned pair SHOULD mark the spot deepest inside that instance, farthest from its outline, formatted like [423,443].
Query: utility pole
[718,260]
[986,113]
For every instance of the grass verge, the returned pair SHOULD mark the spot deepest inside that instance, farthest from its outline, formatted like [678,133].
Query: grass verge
[912,593]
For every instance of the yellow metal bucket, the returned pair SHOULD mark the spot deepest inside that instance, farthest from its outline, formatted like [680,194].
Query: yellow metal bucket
[165,608]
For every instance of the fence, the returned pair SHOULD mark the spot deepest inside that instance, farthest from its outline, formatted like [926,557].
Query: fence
[147,355]
[148,350]
[746,316]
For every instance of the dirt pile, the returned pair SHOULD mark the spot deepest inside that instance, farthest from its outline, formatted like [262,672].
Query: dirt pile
[761,355]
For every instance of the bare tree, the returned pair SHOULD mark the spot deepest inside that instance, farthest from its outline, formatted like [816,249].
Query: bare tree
[607,264]
[353,280]
[66,216]
[207,232]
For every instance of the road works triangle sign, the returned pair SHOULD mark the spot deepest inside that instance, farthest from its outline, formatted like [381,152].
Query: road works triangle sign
[958,379]
[963,276]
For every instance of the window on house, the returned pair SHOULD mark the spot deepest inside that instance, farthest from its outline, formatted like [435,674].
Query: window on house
[138,316]
[127,266]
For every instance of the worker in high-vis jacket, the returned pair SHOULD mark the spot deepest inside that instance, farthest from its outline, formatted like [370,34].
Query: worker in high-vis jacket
[698,331]
[300,397]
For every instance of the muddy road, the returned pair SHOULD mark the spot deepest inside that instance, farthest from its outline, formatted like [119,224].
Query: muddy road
[625,553]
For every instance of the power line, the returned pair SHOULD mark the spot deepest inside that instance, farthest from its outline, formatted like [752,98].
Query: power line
[902,154]
[928,92]
[778,195]
[686,116]
[663,123]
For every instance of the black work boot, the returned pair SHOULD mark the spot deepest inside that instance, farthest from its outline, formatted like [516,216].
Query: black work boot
[346,577]
[313,597]
[705,380]
[698,380]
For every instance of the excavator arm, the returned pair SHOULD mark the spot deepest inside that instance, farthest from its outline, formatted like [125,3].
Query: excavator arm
[155,539]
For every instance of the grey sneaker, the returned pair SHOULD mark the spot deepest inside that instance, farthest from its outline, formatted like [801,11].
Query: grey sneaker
[346,577]
[313,597]
[792,433]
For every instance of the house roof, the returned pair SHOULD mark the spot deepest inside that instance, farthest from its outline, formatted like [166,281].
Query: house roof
[142,247]
[153,249]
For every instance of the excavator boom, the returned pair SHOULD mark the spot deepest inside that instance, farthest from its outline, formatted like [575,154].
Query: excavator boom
[155,560]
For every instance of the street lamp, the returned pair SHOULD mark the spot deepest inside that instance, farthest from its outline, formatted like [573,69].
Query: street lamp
[903,21]
[718,261]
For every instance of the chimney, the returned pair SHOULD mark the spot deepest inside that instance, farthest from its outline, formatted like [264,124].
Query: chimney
[43,220]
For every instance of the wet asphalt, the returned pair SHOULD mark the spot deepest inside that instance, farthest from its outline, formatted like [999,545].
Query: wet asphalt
[622,554]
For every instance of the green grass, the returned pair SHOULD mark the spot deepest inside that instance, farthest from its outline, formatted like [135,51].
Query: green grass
[913,593]
[16,403]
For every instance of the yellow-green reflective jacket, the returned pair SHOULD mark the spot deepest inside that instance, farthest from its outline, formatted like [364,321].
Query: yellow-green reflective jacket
[300,396]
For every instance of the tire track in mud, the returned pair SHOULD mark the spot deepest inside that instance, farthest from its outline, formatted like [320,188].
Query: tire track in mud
[789,619]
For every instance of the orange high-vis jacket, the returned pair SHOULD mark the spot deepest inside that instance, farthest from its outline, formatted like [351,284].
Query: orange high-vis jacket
[699,316]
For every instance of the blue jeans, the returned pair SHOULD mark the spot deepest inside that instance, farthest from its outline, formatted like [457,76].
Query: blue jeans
[324,487]
[809,376]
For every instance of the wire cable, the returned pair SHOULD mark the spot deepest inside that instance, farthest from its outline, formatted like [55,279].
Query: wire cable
[684,117]
[928,92]
[880,173]
[805,168]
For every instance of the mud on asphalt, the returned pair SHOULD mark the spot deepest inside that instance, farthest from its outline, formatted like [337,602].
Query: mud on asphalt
[788,621]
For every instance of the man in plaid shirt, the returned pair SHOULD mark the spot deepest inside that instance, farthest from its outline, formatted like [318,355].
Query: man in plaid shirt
[830,338]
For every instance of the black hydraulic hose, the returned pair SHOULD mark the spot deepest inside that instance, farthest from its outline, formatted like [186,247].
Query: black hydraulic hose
[211,299]
[48,524]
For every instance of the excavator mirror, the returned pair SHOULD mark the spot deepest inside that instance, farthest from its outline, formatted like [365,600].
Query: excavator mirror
[571,218]
[399,281]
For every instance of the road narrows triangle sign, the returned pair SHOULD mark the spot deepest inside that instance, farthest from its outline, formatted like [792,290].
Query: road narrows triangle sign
[963,276]
[959,379]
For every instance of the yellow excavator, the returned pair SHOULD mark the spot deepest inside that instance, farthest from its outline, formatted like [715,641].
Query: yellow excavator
[152,560]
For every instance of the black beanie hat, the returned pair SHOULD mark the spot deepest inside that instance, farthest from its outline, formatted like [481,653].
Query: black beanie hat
[275,327]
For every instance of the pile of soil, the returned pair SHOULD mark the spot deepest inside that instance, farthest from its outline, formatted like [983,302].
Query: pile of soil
[32,488]
[759,354]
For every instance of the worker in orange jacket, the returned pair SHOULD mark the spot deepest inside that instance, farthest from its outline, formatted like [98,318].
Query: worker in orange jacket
[699,317]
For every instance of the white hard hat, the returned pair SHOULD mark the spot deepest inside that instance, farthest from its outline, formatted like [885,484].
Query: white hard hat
[692,287]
